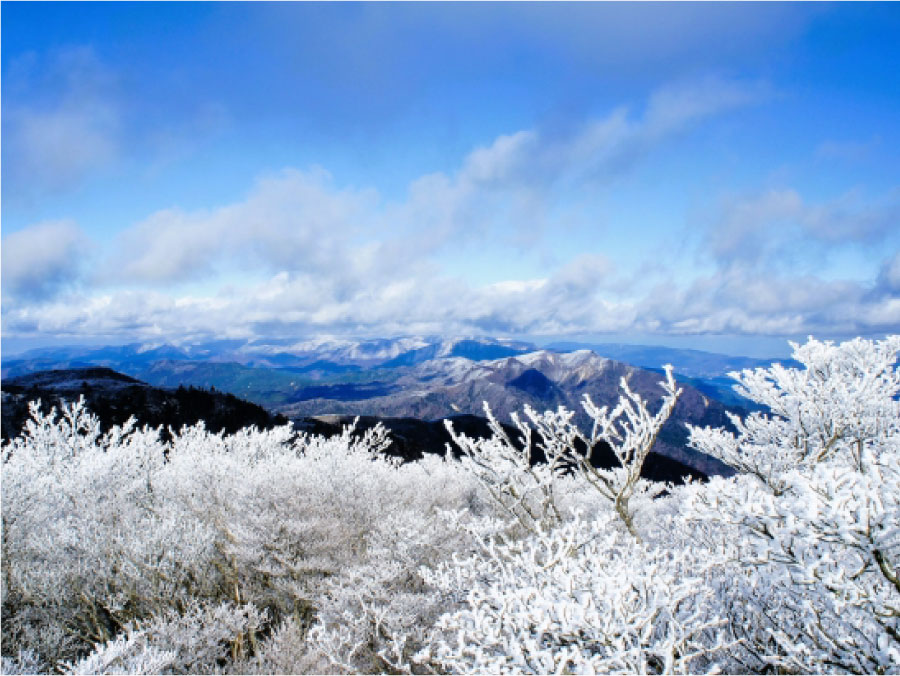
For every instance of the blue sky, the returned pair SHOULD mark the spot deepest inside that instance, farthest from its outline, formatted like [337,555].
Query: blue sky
[723,176]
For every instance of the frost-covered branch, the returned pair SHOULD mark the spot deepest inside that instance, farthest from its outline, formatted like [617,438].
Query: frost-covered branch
[509,471]
[529,489]
[630,431]
[837,407]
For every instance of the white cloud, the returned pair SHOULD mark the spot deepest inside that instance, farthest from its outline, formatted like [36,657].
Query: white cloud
[672,108]
[327,259]
[52,144]
[515,178]
[41,259]
[572,301]
[745,300]
[889,276]
[501,161]
[293,221]
[744,230]
[68,116]
[299,221]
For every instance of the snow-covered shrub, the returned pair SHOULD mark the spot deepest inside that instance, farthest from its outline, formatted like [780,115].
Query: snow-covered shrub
[813,525]
[839,407]
[533,492]
[378,613]
[89,541]
[126,654]
[582,598]
[25,662]
[197,641]
[791,565]
[103,532]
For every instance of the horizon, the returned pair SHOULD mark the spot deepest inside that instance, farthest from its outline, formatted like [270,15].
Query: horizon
[754,349]
[720,177]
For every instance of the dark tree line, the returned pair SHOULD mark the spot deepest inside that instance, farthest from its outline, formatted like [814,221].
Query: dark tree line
[150,406]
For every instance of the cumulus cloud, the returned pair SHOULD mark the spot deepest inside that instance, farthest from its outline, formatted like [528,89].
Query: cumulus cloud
[292,221]
[770,252]
[52,143]
[41,259]
[742,299]
[574,300]
[295,304]
[299,221]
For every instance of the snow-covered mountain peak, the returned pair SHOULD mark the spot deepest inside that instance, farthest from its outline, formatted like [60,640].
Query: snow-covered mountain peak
[558,366]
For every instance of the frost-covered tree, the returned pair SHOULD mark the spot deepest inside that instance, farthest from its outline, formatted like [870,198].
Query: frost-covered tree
[792,565]
[840,408]
[528,478]
[90,541]
[106,536]
[812,524]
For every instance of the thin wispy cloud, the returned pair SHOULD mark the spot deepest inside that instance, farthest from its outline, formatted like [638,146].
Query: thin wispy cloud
[52,141]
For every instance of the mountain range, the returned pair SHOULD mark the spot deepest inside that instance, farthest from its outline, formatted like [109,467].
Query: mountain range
[265,370]
[544,380]
[114,397]
[428,378]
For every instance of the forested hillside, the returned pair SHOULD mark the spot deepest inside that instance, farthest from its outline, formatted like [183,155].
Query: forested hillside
[114,398]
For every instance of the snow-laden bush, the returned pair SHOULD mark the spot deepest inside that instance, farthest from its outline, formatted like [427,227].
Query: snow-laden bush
[813,523]
[102,532]
[532,480]
[25,662]
[791,565]
[194,642]
[90,542]
[582,598]
[378,612]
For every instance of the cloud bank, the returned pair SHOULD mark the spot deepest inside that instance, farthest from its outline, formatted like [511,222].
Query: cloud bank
[299,254]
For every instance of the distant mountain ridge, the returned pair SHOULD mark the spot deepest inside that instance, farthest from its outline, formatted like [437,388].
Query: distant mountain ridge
[543,380]
[687,362]
[428,377]
[343,355]
[114,397]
